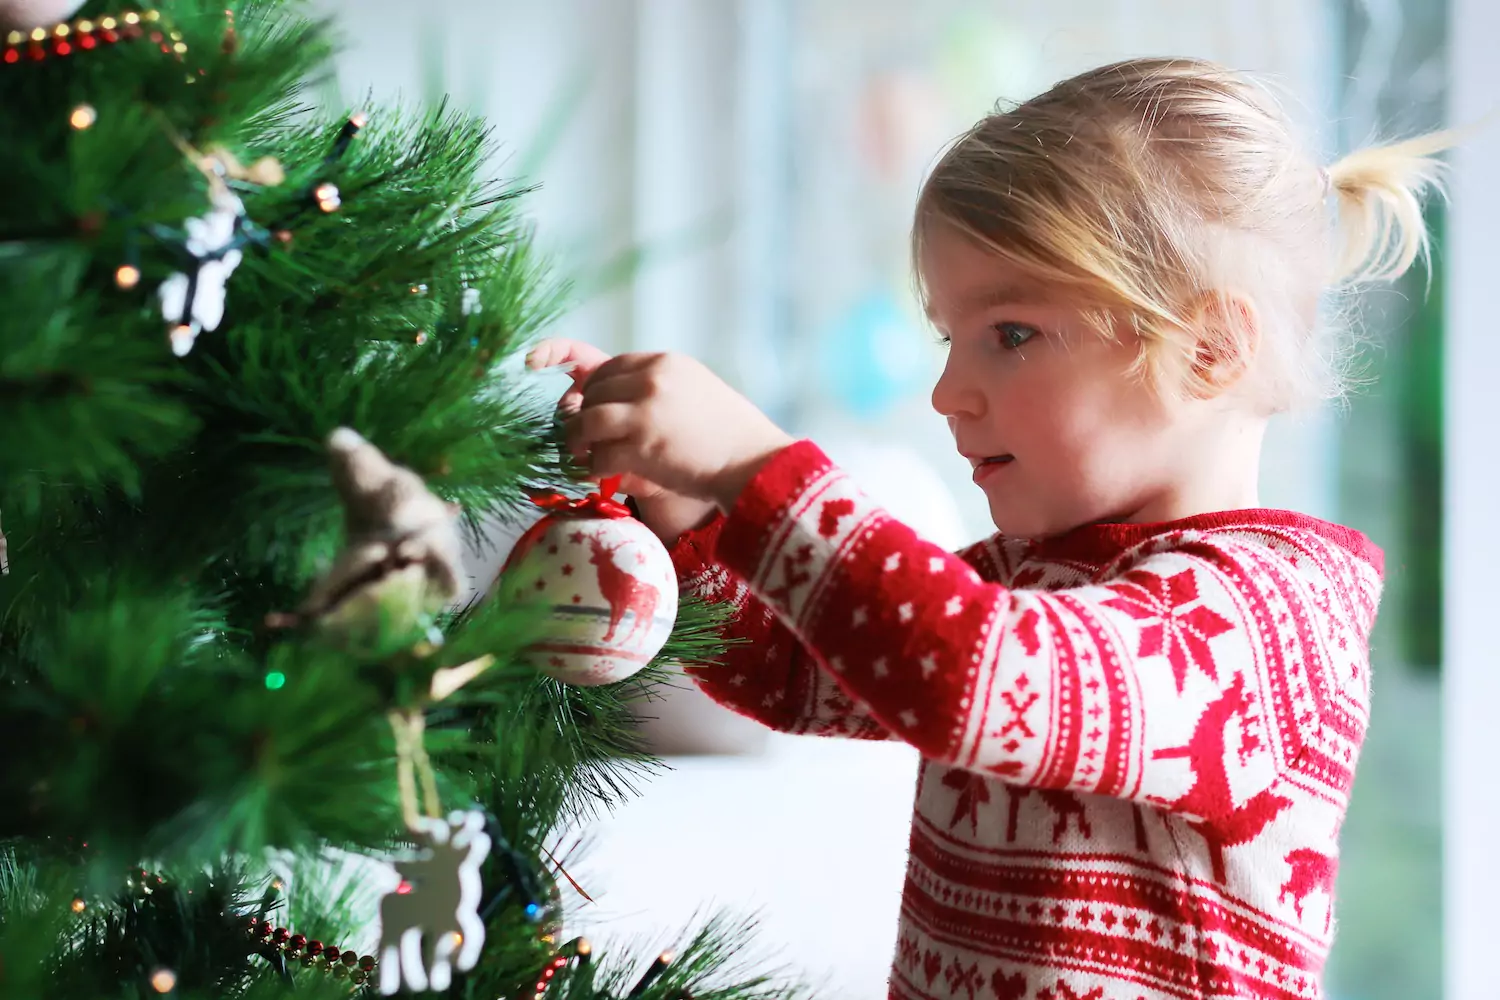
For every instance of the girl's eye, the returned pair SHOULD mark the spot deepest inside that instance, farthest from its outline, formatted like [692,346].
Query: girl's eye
[1013,335]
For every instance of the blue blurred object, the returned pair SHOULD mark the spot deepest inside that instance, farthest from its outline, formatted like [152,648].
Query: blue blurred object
[874,357]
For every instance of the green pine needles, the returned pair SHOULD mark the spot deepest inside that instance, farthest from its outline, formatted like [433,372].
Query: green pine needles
[157,739]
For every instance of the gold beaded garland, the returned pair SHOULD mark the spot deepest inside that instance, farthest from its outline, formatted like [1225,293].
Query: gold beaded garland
[83,33]
[311,954]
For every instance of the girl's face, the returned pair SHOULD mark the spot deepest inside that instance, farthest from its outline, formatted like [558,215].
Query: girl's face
[1057,429]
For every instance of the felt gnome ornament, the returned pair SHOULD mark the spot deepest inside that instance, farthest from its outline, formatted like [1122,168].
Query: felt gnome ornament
[402,557]
[21,15]
[605,583]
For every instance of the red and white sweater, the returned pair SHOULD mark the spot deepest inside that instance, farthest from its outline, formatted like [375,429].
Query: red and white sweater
[1138,740]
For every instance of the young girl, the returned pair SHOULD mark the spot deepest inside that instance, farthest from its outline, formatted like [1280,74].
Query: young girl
[1140,703]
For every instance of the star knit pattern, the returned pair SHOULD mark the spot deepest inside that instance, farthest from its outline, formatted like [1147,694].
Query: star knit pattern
[1138,740]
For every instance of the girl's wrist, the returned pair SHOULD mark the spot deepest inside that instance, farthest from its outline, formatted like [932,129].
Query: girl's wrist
[671,515]
[730,483]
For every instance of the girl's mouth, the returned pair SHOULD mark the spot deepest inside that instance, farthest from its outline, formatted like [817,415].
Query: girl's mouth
[987,466]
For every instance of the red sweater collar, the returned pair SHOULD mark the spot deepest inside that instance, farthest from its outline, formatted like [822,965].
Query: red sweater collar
[1090,541]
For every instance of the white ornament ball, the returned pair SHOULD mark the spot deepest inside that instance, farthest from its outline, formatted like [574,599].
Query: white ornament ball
[19,15]
[608,591]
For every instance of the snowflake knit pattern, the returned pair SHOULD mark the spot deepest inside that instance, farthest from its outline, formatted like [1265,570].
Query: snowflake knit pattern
[1137,741]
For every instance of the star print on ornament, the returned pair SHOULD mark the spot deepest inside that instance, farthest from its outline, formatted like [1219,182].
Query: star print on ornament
[1181,635]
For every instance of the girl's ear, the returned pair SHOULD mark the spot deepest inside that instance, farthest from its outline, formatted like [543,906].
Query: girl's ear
[1227,327]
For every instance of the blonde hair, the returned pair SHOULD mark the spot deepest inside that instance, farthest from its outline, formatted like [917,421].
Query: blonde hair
[1153,188]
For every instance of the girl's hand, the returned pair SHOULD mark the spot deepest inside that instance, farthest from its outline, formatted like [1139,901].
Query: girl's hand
[581,361]
[665,513]
[667,419]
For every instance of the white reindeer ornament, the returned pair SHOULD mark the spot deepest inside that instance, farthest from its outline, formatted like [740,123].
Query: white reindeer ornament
[430,924]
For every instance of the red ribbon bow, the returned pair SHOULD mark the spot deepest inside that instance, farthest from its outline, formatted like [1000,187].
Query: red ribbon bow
[600,503]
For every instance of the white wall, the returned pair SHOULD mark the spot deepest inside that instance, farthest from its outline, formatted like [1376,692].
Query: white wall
[1471,668]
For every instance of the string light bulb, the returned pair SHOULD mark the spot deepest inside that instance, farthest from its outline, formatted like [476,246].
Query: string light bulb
[652,974]
[127,276]
[79,905]
[545,980]
[327,196]
[83,116]
[182,337]
[346,135]
[164,980]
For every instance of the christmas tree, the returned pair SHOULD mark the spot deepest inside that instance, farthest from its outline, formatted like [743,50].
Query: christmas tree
[255,382]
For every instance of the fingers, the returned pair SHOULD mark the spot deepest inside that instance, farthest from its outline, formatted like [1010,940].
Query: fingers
[581,360]
[585,359]
[622,364]
[619,380]
[570,403]
[612,458]
[586,430]
[615,386]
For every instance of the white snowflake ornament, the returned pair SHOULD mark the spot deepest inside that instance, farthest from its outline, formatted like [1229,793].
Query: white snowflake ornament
[430,923]
[191,303]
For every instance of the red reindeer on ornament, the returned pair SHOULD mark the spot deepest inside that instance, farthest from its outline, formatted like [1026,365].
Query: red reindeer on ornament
[624,592]
[1223,824]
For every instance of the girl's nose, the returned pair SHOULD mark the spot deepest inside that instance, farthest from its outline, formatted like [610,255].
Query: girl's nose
[956,393]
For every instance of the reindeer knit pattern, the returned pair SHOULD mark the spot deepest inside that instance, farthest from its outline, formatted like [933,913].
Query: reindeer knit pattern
[1138,740]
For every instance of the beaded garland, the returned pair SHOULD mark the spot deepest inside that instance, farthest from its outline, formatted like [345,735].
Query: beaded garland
[313,954]
[83,33]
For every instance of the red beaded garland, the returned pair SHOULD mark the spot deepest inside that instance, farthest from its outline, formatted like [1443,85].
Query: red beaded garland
[311,953]
[87,33]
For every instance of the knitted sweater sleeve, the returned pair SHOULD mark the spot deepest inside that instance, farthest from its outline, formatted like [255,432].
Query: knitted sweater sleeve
[1151,685]
[766,672]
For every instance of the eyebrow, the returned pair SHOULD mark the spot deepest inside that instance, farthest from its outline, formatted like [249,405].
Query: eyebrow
[1000,295]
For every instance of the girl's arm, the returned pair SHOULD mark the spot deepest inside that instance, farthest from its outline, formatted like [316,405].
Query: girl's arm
[1211,668]
[766,673]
